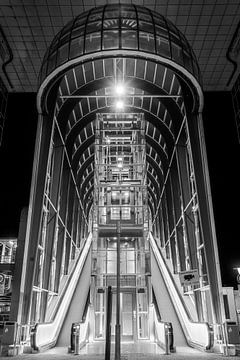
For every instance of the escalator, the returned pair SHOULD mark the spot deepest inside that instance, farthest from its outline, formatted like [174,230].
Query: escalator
[70,307]
[172,307]
[79,303]
[165,305]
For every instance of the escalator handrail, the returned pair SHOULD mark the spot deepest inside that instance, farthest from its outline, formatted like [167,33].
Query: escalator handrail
[44,335]
[83,330]
[167,342]
[182,312]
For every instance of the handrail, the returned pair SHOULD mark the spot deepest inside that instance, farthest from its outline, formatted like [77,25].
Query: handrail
[198,334]
[80,331]
[156,308]
[44,335]
[163,331]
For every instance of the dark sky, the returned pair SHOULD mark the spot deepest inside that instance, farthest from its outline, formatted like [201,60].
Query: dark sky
[16,157]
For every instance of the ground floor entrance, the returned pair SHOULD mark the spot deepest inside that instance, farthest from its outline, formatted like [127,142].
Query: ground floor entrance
[133,314]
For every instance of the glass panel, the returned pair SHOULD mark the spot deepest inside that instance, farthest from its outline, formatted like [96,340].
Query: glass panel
[43,71]
[127,324]
[99,325]
[51,62]
[126,214]
[159,20]
[80,21]
[101,261]
[62,54]
[130,255]
[146,17]
[127,314]
[161,31]
[93,42]
[95,16]
[127,12]
[143,325]
[123,268]
[163,47]
[79,31]
[64,39]
[99,302]
[115,213]
[177,53]
[114,13]
[110,39]
[142,301]
[187,60]
[111,267]
[76,48]
[111,262]
[93,27]
[129,39]
[131,267]
[146,41]
[146,26]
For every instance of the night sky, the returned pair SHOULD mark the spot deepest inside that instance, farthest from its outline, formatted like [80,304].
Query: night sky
[223,149]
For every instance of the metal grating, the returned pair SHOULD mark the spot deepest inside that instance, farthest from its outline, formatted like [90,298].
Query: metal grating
[30,25]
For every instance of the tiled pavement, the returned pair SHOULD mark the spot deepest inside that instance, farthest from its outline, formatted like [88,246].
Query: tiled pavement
[128,352]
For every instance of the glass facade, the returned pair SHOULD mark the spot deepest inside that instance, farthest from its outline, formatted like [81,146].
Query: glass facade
[119,27]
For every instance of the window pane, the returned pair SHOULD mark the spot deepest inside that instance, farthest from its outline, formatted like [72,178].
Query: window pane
[129,39]
[93,42]
[93,27]
[62,54]
[146,41]
[146,26]
[76,48]
[110,39]
[163,47]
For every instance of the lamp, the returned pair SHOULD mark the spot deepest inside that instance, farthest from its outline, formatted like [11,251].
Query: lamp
[119,105]
[120,89]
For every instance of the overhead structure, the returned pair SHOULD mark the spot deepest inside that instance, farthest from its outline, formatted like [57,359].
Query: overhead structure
[120,94]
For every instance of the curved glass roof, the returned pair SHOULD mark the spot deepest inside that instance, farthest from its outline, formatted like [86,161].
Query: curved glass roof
[119,27]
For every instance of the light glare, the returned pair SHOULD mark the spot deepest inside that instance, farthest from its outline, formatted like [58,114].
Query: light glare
[119,105]
[119,89]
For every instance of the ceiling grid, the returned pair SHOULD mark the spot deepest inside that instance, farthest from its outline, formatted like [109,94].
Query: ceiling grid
[30,26]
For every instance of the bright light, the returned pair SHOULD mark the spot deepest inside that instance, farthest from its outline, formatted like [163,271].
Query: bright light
[120,159]
[119,165]
[238,269]
[114,194]
[119,105]
[120,89]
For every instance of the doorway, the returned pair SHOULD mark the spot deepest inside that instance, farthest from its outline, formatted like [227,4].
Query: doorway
[127,315]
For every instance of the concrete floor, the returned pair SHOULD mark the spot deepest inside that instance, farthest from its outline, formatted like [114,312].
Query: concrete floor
[129,351]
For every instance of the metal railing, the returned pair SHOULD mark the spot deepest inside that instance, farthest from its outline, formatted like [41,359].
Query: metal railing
[163,330]
[7,259]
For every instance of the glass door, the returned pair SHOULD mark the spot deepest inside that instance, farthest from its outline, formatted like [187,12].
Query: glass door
[127,315]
